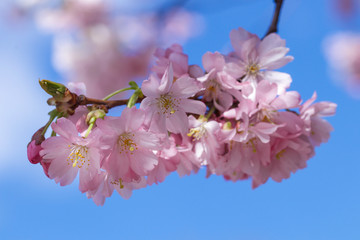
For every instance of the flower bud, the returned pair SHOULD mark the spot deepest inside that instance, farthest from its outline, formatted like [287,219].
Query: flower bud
[33,151]
[57,90]
[34,146]
[95,114]
[227,126]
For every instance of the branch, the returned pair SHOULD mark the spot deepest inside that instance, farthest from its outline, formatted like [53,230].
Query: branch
[273,27]
[83,100]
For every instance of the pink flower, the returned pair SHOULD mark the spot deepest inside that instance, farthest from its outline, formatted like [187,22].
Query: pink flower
[317,128]
[185,157]
[254,59]
[69,154]
[125,188]
[103,191]
[218,84]
[208,141]
[246,159]
[173,55]
[287,157]
[167,163]
[131,147]
[167,102]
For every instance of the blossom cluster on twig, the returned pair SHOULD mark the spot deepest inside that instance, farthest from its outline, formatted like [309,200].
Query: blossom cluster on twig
[237,119]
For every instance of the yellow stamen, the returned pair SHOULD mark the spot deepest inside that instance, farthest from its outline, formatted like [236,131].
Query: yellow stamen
[126,143]
[280,154]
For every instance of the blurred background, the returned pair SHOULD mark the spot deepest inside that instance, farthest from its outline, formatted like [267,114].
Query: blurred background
[100,42]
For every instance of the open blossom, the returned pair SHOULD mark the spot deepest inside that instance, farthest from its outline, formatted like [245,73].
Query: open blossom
[108,184]
[167,102]
[167,163]
[219,85]
[104,190]
[209,142]
[254,59]
[317,128]
[131,146]
[70,153]
[173,55]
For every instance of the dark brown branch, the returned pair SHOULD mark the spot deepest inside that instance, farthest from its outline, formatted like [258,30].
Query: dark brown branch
[83,100]
[274,24]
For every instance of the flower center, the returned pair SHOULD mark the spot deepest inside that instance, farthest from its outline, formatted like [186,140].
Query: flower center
[212,88]
[126,143]
[253,69]
[197,132]
[168,104]
[78,156]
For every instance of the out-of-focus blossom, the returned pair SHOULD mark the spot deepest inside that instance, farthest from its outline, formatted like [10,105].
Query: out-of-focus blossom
[98,44]
[346,8]
[342,51]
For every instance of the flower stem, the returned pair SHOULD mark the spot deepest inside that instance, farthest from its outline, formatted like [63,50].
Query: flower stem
[117,92]
[53,114]
[91,125]
[211,111]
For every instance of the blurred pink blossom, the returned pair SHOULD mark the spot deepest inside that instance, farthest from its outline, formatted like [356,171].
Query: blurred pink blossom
[342,51]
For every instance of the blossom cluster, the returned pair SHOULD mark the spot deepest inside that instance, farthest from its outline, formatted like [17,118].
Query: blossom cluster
[237,119]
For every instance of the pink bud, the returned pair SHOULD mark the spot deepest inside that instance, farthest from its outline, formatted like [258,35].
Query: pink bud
[33,152]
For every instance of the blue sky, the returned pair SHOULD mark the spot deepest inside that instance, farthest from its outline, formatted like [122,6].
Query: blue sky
[319,202]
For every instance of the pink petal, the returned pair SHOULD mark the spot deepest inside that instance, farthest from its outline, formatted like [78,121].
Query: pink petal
[278,63]
[68,177]
[65,128]
[147,140]
[238,37]
[273,56]
[117,164]
[266,92]
[270,42]
[177,122]
[193,106]
[179,62]
[185,87]
[213,61]
[143,162]
[282,80]
[150,86]
[133,118]
[195,71]
[166,80]
[290,99]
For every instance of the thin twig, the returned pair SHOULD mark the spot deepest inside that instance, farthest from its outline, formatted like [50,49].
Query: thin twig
[274,24]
